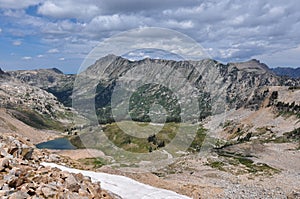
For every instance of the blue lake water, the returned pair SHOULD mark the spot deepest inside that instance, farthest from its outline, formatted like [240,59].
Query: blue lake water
[59,144]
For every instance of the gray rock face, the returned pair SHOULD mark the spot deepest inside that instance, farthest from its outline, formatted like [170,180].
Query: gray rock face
[51,80]
[42,78]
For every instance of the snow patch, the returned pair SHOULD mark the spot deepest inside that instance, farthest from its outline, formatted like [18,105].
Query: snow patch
[123,186]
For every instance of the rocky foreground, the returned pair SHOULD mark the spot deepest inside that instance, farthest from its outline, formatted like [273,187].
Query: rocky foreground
[22,175]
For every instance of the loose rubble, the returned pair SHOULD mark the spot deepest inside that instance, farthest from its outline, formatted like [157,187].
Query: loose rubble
[22,176]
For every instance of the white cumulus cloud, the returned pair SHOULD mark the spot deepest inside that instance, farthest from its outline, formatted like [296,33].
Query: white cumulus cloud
[68,9]
[53,51]
[17,43]
[231,29]
[26,58]
[16,4]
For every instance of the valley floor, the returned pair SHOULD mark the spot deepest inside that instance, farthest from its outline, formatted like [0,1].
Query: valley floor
[192,177]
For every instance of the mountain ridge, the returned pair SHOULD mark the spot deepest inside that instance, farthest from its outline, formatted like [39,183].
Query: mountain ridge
[251,75]
[287,71]
[230,78]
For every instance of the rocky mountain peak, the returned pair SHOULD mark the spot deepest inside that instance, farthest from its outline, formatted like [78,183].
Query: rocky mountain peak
[107,58]
[1,72]
[56,70]
[252,65]
[4,75]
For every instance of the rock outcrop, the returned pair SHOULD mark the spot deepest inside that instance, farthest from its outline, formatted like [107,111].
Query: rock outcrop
[50,80]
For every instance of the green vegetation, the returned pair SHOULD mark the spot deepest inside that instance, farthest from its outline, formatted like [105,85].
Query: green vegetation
[153,141]
[95,162]
[288,109]
[294,88]
[63,94]
[256,167]
[288,114]
[149,94]
[220,144]
[140,145]
[217,165]
[36,120]
[198,140]
[63,90]
[292,136]
[142,103]
[140,140]
[241,163]
[104,115]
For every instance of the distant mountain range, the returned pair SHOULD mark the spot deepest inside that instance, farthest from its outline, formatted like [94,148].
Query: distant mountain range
[287,71]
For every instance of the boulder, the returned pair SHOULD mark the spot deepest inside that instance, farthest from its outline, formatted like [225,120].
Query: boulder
[27,153]
[19,195]
[4,163]
[294,194]
[48,192]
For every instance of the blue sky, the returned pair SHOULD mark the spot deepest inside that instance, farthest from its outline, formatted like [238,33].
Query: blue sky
[60,33]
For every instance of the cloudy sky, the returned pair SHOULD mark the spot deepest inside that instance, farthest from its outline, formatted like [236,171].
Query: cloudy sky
[60,33]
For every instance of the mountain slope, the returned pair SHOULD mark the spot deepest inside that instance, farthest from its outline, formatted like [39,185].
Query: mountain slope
[32,105]
[51,80]
[10,124]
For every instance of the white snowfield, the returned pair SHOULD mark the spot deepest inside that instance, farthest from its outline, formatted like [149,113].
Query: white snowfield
[123,186]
